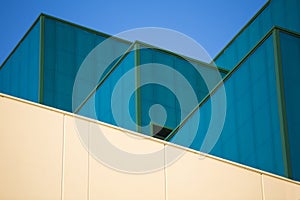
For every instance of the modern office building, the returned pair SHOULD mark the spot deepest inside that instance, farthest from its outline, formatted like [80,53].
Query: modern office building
[241,108]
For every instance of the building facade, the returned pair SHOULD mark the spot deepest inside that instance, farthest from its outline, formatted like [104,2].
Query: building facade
[257,71]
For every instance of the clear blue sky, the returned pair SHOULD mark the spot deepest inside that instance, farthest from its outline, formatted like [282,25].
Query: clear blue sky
[212,23]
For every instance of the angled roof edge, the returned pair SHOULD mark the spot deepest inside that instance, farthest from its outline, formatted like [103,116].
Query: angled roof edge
[139,42]
[130,48]
[242,29]
[19,43]
[215,89]
[109,36]
[287,31]
[204,64]
[85,28]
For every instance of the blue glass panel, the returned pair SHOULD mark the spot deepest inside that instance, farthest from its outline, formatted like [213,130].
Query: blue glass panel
[154,85]
[290,53]
[251,132]
[114,101]
[66,48]
[174,83]
[19,75]
[246,40]
[283,13]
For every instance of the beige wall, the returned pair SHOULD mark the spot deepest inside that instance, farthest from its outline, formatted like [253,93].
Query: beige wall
[44,156]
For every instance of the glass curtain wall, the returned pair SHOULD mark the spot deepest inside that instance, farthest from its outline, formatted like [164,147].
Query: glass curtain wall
[290,59]
[282,13]
[148,88]
[66,47]
[19,74]
[251,132]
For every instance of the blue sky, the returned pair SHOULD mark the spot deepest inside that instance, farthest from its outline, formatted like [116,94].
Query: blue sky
[212,23]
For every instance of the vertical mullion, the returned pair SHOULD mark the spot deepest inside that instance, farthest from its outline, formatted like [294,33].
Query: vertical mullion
[137,87]
[41,61]
[281,105]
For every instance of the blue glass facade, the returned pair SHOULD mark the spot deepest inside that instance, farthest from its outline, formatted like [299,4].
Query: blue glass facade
[170,87]
[281,13]
[65,48]
[99,104]
[290,59]
[140,87]
[19,74]
[251,132]
[138,81]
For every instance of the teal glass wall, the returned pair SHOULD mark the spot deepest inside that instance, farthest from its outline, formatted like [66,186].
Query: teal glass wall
[282,13]
[65,48]
[251,132]
[140,81]
[114,101]
[19,74]
[44,66]
[290,56]
[174,83]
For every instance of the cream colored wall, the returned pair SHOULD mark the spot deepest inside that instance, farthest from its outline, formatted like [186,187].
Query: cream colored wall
[30,151]
[43,157]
